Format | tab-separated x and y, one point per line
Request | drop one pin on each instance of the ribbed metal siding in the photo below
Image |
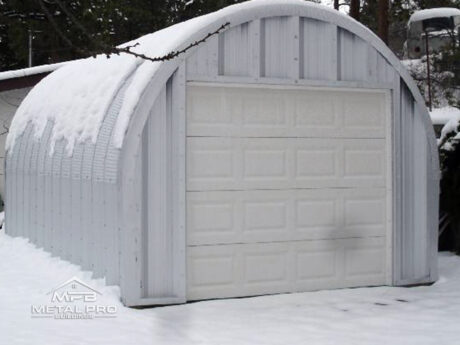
289	48
414	246
234	50
68	204
163	236
318	50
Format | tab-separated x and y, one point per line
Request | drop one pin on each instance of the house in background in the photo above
440	24
14	86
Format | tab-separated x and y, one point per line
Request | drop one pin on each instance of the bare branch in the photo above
6	129
171	55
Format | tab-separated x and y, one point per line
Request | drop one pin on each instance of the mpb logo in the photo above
74	299
74	290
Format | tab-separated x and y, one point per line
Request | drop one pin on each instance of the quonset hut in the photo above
290	152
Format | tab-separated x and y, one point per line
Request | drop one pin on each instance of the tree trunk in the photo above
383	20
336	4
354	9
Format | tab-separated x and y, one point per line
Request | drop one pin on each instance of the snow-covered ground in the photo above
383	315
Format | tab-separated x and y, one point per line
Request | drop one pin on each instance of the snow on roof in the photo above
434	13
25	72
441	116
76	97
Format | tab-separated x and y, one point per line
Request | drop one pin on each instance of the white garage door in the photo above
286	190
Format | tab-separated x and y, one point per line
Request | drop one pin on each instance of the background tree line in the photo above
110	22
116	21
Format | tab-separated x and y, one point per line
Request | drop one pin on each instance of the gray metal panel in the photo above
111	240
157	246
318	50
87	201
11	196
204	60
20	188
47	195
277	46
407	238
234	51
353	52
255	31
161	246
414	242
56	201
178	134
76	205
99	225
35	198
65	213
41	180
27	230
419	151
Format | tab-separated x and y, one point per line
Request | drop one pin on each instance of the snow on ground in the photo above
382	315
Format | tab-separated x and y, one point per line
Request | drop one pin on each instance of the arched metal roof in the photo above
141	76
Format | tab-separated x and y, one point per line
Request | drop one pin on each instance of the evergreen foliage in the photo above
109	22
449	153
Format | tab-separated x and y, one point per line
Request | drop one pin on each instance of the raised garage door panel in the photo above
284	163
264	112
261	268
284	215
287	190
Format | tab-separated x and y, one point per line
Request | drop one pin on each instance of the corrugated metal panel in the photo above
420	244
157	238
353	52
111	226
234	51
289	48
204	61
277	47
40	188
106	225
10	188
65	213
20	187
318	49
34	198
49	207
100	234
56	201
163	231
87	201
27	202
76	205
407	121
413	246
